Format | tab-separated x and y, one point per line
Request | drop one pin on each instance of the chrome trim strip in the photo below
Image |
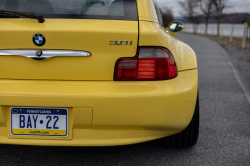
45	53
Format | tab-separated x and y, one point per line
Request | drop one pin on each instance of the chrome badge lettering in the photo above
123	42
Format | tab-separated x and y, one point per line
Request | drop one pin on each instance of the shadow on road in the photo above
139	154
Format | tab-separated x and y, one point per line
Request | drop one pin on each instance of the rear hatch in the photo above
106	37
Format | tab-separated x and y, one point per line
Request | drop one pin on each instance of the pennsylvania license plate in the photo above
50	122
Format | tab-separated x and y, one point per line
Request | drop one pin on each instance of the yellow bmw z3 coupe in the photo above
94	73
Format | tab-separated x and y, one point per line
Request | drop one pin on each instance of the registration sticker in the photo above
51	122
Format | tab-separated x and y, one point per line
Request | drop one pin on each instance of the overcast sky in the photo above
236	6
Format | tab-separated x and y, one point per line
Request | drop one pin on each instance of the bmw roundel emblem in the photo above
39	39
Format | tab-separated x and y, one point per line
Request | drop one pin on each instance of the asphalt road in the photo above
224	125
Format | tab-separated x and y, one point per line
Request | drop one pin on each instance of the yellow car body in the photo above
101	111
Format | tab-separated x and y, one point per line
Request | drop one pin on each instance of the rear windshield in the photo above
85	9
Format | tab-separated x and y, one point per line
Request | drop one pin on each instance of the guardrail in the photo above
231	31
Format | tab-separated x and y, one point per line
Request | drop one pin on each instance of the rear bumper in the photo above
104	113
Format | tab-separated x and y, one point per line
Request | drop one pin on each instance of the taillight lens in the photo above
151	63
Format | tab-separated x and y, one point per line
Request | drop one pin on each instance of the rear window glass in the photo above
85	9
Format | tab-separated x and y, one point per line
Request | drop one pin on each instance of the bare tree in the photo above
167	16
206	8
219	5
191	11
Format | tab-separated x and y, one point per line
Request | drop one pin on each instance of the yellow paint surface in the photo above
66	34
123	112
102	112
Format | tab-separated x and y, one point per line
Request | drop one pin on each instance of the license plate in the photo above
50	122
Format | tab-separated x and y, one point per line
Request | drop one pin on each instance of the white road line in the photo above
238	78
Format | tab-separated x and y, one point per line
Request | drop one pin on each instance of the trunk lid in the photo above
89	35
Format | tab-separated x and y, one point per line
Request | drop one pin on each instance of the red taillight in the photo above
151	63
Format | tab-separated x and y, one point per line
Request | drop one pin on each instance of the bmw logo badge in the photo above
39	39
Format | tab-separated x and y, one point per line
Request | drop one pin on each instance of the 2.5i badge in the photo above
39	39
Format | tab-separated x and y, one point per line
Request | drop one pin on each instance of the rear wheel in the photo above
187	137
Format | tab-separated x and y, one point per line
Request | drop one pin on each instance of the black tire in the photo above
189	136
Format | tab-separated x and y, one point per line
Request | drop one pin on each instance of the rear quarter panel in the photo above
151	33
